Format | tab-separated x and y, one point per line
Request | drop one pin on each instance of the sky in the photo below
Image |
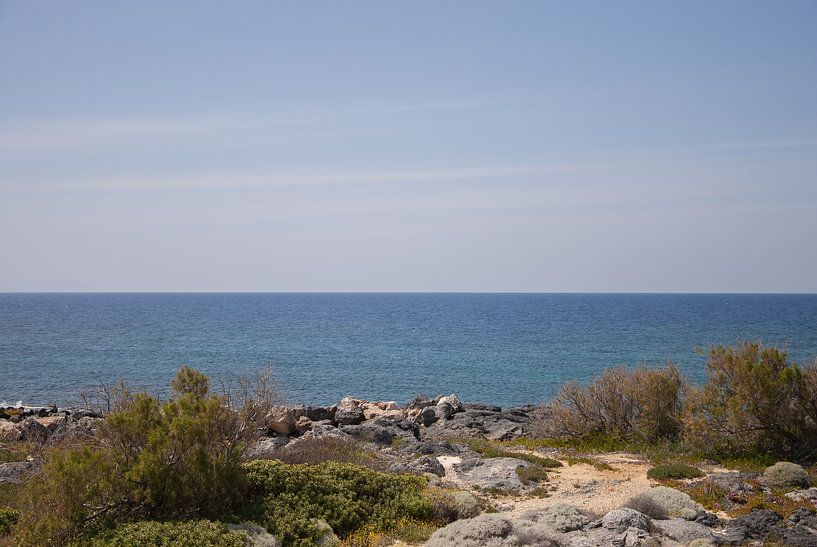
408	146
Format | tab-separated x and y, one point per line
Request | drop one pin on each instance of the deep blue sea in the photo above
507	349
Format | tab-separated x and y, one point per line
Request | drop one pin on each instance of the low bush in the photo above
674	471
786	475
314	450
287	498
168	534
8	518
645	503
674	502
640	404
531	474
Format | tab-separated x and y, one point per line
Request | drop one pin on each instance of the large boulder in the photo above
452	400
560	517
382	430
683	531
281	420
265	448
622	519
350	412
497	474
314	413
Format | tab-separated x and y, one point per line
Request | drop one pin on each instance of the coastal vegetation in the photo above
224	466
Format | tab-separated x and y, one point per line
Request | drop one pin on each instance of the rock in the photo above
683	531
33	431
708	519
738	482
15	472
302	425
480	406
496	474
383	409
436	448
420	402
257	536
502	430
622	519
315	413
428	416
265	448
443	411
786	475
281	420
9	431
349	415
560	517
756	524
419	466
800	495
798	536
381	430
452	400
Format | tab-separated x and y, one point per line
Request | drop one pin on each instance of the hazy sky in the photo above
408	146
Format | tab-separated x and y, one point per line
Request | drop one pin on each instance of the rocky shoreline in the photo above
508	497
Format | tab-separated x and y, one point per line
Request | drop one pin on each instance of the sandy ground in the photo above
582	485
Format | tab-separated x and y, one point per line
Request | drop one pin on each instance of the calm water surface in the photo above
502	348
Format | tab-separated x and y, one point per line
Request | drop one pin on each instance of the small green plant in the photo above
674	471
168	534
8	518
531	474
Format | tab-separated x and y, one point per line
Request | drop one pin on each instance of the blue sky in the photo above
412	146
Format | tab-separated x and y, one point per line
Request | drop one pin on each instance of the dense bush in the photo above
640	404
674	471
755	401
150	460
674	502
287	498
168	534
786	475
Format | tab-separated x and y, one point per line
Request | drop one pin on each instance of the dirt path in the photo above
582	485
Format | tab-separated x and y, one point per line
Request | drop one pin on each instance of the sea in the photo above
509	349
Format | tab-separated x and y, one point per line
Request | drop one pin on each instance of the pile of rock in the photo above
423	418
41	424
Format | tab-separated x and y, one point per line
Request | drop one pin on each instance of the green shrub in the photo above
152	533
288	497
786	475
175	460
8	517
640	404
674	471
755	401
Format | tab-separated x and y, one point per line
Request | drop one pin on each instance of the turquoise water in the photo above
502	348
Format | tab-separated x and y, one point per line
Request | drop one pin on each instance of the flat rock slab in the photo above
495	474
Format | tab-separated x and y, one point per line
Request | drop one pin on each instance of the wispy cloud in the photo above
236	181
40	135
